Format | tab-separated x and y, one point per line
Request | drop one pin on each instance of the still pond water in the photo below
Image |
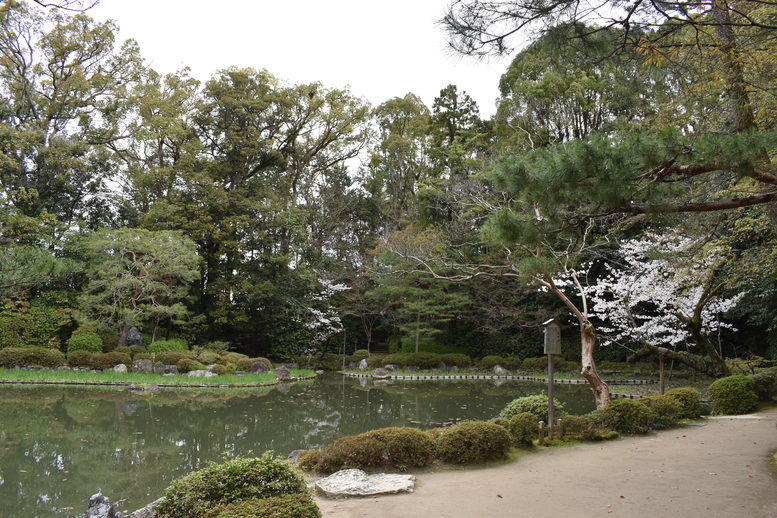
58	445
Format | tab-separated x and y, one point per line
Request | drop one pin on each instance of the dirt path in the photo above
721	469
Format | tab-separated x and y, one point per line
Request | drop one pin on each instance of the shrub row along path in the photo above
721	469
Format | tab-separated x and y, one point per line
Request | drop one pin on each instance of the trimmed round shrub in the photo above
501	421
173	344
523	429
198	493
110	360
536	405
172	357
377	360
296	505
85	342
689	399
489	362
31	356
245	364
143	356
462	361
207	357
123	349
764	385
566	365
221	370
188	365
732	395
401	448
423	360
80	359
472	442
231	358
589	427
360	354
666	411
217	346
627	416
511	363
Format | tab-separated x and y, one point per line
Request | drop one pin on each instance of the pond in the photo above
58	445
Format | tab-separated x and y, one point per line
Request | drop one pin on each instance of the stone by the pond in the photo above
64	368
134	337
202	373
144	366
120	368
500	371
380	373
259	367
166	369
391	366
282	373
100	507
145	512
355	482
363	364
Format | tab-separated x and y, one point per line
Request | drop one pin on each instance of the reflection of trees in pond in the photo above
66	442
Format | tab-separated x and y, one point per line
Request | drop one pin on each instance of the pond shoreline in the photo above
160	385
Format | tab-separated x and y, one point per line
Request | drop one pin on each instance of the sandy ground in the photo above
720	469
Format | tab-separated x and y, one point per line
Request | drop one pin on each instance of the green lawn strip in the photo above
118	378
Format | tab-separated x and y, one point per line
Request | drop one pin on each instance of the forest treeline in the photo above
630	182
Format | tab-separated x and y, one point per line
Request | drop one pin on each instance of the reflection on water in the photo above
60	444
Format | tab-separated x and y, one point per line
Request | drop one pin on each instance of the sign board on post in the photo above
552	346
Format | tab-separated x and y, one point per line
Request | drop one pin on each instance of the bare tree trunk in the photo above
588	344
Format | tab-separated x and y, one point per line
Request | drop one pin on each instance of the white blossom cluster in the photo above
323	320
661	276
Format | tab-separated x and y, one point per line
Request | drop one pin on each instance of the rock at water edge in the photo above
363	364
282	373
201	374
143	366
500	371
380	373
120	368
100	507
355	482
259	367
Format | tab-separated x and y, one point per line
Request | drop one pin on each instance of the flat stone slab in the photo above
355	482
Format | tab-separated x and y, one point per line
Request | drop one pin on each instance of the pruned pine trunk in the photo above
599	388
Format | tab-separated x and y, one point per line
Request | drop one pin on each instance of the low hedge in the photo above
173	344
198	494
31	356
172	357
732	395
84	341
359	354
462	361
536	405
689	399
295	505
207	357
80	359
400	448
188	365
627	416
472	442
666	410
589	427
110	360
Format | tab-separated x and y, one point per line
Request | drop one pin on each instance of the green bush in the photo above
536	405
566	365
188	365
194	495
123	349
666	411
377	360
207	357
589	427
231	358
217	346
627	416
245	364
764	385
219	369
732	395
489	362
85	342
143	356
360	354
472	442
401	448
523	428
296	505
31	356
173	344
172	357
80	359
689	399
511	363
536	364
462	361
110	360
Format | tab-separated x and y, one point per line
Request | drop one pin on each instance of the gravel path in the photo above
721	469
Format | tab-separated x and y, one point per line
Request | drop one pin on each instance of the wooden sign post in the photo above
552	347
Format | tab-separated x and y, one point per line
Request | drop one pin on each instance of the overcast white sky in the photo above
381	49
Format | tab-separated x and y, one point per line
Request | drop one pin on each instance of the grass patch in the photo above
56	376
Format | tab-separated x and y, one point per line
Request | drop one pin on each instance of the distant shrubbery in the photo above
31	356
173	344
85	341
536	405
732	395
